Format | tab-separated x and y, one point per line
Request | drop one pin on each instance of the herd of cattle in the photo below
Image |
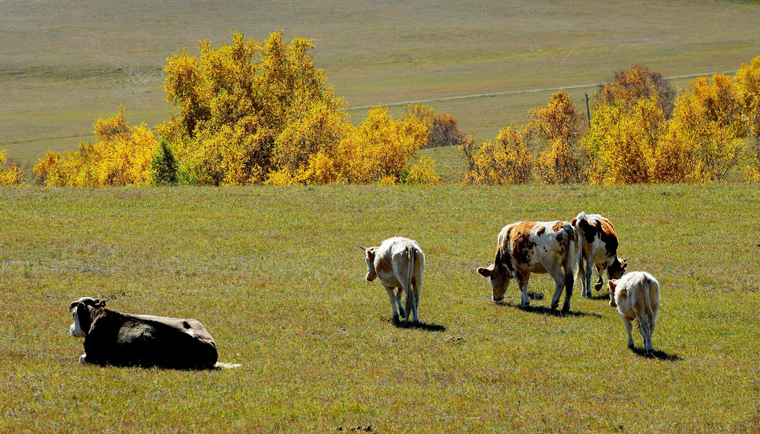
567	251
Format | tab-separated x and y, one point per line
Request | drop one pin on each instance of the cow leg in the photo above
569	282
392	298
523	277
628	330
417	288
586	286
598	286
401	310
555	270
645	331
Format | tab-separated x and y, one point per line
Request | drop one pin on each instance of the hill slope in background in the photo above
64	64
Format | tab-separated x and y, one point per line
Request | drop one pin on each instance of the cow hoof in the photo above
565	310
497	299
395	319
83	358
598	287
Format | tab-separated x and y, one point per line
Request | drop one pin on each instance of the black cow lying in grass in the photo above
124	340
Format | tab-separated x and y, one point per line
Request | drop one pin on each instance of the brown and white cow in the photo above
535	247
600	244
637	296
121	339
399	262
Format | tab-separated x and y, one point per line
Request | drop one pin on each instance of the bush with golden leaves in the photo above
249	109
504	160
10	175
705	134
443	129
748	88
559	126
621	143
122	156
377	151
633	84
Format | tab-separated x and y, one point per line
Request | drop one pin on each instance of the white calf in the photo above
399	262
637	296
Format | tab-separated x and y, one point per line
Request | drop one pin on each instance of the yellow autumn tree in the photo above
621	143
121	156
443	129
10	175
378	151
504	160
748	89
633	84
247	109
559	126
704	138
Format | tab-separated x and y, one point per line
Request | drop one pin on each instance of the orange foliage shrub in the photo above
443	129
748	88
505	160
122	156
559	124
248	109
634	84
263	113
378	150
622	142
706	133
11	175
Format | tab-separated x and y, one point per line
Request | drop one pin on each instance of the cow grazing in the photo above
600	243
535	247
637	296
121	339
399	262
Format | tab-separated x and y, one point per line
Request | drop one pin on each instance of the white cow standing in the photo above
399	262
637	296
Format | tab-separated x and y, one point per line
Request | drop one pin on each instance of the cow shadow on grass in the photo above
600	296
424	326
545	310
657	354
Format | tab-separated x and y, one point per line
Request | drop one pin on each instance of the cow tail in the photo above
574	259
220	365
647	300
410	296
580	270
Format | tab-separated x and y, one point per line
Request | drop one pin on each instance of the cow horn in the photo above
626	259
362	247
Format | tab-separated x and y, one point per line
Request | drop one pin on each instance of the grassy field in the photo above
64	64
275	276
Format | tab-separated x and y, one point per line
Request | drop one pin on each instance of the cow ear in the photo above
71	306
486	272
371	253
612	283
101	304
623	264
572	222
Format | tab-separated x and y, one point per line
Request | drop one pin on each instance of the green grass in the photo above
275	276
63	66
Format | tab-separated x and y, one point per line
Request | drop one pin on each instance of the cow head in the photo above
81	310
617	268
369	256
498	276
612	284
